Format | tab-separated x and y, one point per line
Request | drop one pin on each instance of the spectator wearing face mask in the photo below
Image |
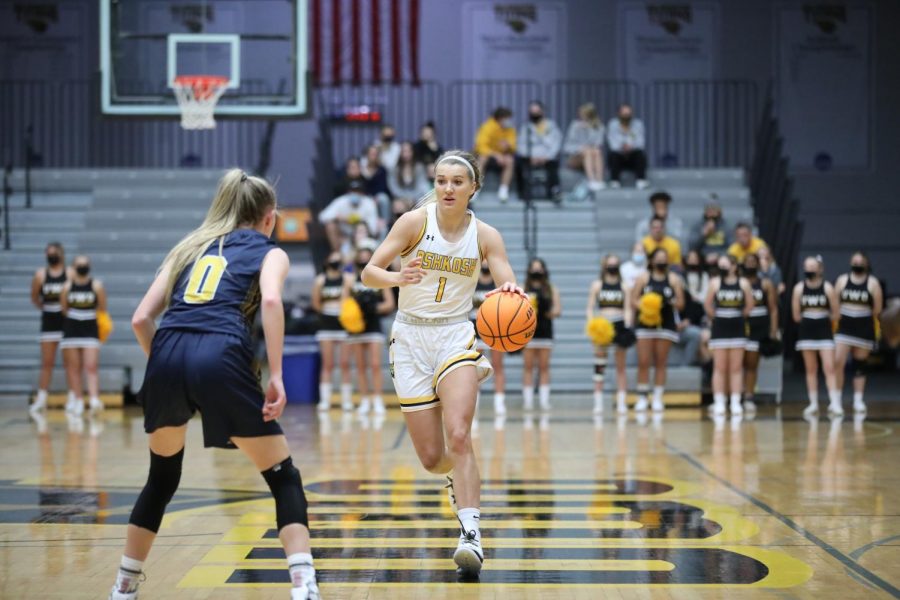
426	150
352	171
540	141
659	206
495	147
345	211
584	146
625	141
633	267
710	235
388	148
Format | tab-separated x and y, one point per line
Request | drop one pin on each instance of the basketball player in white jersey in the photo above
433	359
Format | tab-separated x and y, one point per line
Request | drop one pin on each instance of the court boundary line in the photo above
848	562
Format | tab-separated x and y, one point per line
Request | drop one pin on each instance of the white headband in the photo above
461	160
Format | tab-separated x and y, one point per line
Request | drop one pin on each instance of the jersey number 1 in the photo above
204	281
442	281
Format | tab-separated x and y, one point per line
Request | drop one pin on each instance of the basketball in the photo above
506	321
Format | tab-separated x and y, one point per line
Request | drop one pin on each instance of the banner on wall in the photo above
824	81
514	40
665	41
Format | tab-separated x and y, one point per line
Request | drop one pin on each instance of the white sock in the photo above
620	398
857	397
598	399
470	517
503	191
95	400
346	393
325	393
71	398
735	399
377	400
528	397
642	391
129	574
719	399
814	398
300	565
544	395
499	398
42	397
658	392
834	396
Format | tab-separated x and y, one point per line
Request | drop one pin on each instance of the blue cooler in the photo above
300	366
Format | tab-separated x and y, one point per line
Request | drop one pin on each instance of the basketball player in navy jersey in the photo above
46	291
435	365
861	301
213	282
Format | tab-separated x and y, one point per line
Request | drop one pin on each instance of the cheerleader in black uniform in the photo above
486	284
814	305
82	297
46	290
330	288
607	299
545	300
367	347
729	301
861	301
654	341
762	323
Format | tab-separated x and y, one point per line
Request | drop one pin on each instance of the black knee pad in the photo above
287	488
165	474
599	369
859	368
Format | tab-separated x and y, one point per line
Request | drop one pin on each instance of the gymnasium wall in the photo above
832	201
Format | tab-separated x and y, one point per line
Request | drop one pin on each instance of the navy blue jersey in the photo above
220	292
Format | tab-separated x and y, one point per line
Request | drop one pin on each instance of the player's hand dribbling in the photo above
509	287
275	399
412	273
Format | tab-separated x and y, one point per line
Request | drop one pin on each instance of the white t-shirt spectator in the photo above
349	209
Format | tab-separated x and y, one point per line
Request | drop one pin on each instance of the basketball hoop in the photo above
197	97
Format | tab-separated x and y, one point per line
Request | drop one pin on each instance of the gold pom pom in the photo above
877	329
351	316
601	331
104	325
650	309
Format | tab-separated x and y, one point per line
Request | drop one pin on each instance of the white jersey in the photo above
453	269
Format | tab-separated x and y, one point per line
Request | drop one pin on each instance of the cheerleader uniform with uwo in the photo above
330	328
611	296
856	327
729	326
667	329
815	319
80	325
541	298
52	319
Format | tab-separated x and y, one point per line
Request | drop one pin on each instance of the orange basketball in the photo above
506	321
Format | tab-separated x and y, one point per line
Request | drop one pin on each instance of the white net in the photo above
197	97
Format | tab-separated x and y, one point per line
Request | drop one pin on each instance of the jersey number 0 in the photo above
205	277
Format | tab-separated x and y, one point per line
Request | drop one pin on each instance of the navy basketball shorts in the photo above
210	372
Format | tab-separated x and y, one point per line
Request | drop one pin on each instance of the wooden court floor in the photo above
573	507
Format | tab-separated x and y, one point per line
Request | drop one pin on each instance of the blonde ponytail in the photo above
240	200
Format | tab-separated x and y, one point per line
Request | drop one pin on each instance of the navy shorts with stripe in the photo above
210	372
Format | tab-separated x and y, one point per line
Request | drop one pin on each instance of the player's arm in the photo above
749	301
271	283
315	301
64	296
709	304
773	308
100	292
627	306
36	282
556	309
677	284
402	235
877	296
592	295
143	321
639	284
795	301
494	252
834	301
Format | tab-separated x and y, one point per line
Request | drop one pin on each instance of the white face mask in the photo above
506	123
638	259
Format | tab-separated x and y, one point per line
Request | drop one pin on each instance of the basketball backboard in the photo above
259	45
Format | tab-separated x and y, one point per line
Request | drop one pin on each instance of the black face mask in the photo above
661	267
536	274
53	259
83	269
750	271
625	120
693	268
613	269
387	139
535	118
361	265
857	269
485	271
810	274
334	265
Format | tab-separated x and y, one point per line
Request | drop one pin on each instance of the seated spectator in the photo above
696	279
768	269
625	141
583	150
426	150
744	242
659	205
407	181
711	234
399	207
342	215
388	148
495	147
658	239
633	267
540	141
352	171
376	177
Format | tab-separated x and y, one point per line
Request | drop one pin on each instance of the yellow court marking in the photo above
400	486
267	508
351	525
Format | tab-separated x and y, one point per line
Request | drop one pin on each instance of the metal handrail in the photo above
7	192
